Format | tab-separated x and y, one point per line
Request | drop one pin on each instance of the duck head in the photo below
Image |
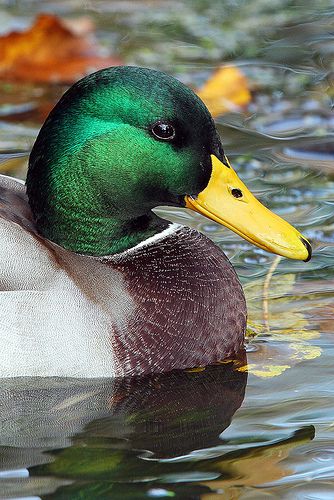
125	140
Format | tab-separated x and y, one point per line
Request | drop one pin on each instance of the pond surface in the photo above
222	432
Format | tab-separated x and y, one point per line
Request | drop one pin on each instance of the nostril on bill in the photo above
308	248
236	192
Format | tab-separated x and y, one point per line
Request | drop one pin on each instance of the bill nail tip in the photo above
308	248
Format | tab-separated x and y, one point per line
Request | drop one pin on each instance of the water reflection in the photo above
114	430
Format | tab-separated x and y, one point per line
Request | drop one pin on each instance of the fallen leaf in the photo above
52	50
264	371
196	370
226	90
283	309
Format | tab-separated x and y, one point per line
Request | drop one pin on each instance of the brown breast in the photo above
190	307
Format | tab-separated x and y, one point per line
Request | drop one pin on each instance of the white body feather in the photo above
48	324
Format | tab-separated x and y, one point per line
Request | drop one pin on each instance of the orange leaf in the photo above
226	90
52	50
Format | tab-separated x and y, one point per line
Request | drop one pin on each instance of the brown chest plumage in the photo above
189	305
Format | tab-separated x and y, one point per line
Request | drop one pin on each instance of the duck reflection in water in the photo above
97	434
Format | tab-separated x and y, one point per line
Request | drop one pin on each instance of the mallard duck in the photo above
93	283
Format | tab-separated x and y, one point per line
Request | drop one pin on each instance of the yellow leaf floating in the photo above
197	369
226	90
278	310
305	351
265	371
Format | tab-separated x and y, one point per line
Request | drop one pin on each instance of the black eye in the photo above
163	131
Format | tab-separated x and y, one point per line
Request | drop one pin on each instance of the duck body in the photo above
92	282
174	301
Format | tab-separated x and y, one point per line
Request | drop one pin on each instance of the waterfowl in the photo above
93	283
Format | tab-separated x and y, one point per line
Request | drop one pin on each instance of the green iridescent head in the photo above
119	143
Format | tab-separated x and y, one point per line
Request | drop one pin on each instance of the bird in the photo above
93	283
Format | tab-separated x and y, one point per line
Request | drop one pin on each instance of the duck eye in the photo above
163	131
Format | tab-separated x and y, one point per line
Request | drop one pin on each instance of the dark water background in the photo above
218	433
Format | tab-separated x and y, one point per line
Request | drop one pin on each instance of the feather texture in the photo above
174	302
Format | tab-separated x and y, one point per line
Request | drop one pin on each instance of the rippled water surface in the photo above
222	432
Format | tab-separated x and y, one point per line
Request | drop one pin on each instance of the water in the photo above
222	432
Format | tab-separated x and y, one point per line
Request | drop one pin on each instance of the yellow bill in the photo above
227	200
